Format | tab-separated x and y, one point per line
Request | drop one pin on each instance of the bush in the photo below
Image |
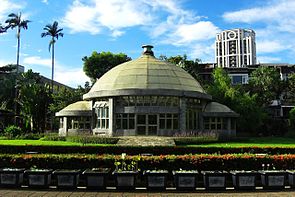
12	131
92	140
53	137
168	162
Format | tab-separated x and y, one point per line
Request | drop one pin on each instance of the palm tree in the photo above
54	32
15	20
2	29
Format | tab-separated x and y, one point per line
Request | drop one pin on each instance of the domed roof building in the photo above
147	96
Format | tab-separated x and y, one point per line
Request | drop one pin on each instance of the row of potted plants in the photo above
155	179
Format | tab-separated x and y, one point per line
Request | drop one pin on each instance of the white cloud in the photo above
6	7
200	31
71	77
280	13
45	1
36	60
267	59
6	62
203	51
270	46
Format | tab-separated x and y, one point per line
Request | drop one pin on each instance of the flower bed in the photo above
168	162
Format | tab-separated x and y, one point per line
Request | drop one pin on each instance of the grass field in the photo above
259	142
249	142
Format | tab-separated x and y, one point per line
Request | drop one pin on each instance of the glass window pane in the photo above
162	123
132	100
131	123
175	123
162	115
98	123
118	123
169	124
125	125
152	119
103	123
107	123
141	119
107	111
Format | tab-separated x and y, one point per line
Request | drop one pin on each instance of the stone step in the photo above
146	141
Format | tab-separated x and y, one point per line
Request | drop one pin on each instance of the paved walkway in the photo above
146	141
26	192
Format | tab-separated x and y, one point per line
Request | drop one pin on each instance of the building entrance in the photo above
147	124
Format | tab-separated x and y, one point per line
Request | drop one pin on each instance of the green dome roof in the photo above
217	109
146	74
76	109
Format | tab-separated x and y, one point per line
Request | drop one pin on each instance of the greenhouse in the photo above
148	96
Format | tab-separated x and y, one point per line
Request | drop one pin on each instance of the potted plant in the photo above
96	177
214	180
272	178
11	177
67	179
185	179
40	178
244	180
156	179
125	173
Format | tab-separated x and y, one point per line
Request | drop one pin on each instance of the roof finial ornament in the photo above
147	50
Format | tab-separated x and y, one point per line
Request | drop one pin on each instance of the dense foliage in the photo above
99	63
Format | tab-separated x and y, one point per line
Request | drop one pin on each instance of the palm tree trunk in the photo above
17	67
52	68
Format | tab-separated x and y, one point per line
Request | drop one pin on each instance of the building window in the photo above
125	121
147	101
169	121
102	115
81	122
192	119
215	123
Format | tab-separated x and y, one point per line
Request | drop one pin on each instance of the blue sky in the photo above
174	27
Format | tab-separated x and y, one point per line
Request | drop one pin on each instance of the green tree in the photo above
66	96
34	98
7	86
238	100
266	83
190	66
98	64
15	21
54	32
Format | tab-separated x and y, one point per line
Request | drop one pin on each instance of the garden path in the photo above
146	141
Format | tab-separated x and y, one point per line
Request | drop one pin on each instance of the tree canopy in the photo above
98	64
191	66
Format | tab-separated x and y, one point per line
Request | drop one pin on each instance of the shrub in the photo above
168	162
92	139
12	131
53	137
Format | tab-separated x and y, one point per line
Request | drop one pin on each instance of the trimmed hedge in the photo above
133	150
168	162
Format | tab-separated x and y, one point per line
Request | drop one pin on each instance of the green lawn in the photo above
40	142
259	142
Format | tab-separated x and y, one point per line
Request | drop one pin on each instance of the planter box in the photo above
67	179
40	178
156	179
11	177
125	180
272	179
291	178
214	180
185	180
96	178
244	180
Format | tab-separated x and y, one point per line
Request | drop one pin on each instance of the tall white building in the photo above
235	48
